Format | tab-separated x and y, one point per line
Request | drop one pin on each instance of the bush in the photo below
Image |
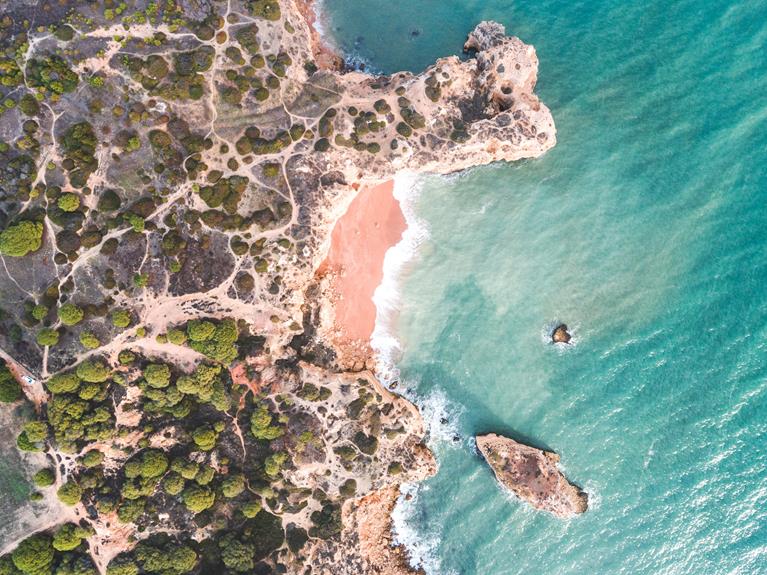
22	238
70	493
47	337
10	390
44	478
70	314
68	202
34	555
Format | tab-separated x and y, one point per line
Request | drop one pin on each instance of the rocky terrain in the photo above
532	475
170	172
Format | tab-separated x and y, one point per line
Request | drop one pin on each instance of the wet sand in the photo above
372	224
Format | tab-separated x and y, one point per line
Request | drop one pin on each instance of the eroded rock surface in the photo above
532	475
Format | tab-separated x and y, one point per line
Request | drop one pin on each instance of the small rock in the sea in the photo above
561	335
456	439
443	420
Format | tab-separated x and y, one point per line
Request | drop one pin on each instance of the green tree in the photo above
233	485
37	431
10	390
121	318
39	312
157	375
69	537
93	371
274	463
68	202
122	566
63	383
70	493
44	478
34	555
235	554
177	337
261	424
21	238
47	337
89	340
200	330
171	559
70	314
204	438
93	458
251	509
198	499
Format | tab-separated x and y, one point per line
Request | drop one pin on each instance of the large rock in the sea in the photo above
532	475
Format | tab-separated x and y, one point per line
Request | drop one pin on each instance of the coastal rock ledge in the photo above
532	475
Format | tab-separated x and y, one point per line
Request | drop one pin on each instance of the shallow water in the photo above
644	230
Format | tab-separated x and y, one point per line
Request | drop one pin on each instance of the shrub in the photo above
22	238
68	202
70	493
171	559
70	314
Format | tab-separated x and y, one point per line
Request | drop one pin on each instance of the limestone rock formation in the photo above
532	475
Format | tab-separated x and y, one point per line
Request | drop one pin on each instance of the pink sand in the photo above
372	224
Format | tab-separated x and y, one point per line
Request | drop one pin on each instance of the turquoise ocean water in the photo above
645	230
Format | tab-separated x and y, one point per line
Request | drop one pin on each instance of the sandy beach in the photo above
372	224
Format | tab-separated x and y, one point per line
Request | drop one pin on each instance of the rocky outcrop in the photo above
561	335
532	475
